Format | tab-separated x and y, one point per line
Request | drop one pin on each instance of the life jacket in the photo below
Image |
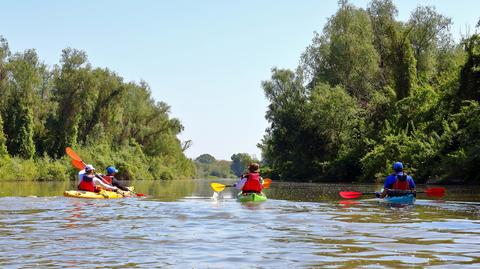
87	184
108	179
401	183
253	183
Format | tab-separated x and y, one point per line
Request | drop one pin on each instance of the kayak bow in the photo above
251	197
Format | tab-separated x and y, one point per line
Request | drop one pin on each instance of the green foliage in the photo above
404	70
428	34
108	121
372	90
240	162
208	167
470	72
3	140
345	53
205	158
462	150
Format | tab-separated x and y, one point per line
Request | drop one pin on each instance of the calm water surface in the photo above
181	224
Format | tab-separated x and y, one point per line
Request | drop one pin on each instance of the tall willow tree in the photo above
429	35
73	84
23	82
404	66
382	14
344	53
470	72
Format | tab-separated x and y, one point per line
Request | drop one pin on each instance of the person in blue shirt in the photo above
398	183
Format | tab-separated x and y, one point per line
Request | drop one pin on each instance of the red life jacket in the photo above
401	184
87	184
253	183
108	179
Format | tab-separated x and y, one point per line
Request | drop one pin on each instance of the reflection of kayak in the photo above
404	199
251	197
97	195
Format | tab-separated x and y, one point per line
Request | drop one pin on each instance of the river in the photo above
181	224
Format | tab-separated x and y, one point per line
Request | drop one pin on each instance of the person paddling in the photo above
398	183
109	178
90	182
252	181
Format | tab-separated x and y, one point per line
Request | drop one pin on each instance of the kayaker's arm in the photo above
99	182
239	185
116	183
384	193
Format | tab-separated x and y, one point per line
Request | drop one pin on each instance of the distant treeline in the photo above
108	121
371	90
209	167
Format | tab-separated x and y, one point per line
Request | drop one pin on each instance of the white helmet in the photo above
89	167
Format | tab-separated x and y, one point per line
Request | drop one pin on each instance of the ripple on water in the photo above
200	232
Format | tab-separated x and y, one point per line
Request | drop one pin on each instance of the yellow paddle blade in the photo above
217	187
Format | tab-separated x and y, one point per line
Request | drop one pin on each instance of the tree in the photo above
73	94
288	134
3	140
24	80
344	54
240	162
205	158
382	14
470	72
405	68
429	33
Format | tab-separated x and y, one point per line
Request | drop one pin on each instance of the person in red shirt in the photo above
252	181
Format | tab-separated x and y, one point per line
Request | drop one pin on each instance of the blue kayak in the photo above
408	199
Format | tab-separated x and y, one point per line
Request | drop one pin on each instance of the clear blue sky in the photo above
206	59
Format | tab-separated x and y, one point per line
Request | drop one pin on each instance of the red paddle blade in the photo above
436	192
350	194
72	154
77	164
140	194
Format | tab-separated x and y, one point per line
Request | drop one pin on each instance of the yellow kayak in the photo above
98	195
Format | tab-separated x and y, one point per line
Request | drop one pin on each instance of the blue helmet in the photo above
111	170
398	167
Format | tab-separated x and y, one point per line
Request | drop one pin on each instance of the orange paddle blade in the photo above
266	183
77	164
72	154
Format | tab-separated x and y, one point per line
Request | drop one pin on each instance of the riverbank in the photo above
131	162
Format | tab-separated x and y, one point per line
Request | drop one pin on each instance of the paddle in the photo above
435	192
217	187
80	165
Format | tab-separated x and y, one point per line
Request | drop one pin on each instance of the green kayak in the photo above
251	197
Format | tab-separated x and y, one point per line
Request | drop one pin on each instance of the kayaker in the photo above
90	182
252	181
109	178
398	183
